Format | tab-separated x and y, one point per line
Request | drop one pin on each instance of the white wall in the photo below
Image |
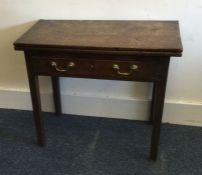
184	81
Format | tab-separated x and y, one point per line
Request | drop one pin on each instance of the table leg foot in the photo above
155	143
157	112
36	103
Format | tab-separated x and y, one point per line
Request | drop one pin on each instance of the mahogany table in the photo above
114	50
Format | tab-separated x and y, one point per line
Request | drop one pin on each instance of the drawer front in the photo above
61	66
102	69
131	70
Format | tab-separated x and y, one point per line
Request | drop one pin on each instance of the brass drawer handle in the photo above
117	68
70	65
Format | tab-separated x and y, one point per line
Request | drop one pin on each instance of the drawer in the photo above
130	70
61	66
92	68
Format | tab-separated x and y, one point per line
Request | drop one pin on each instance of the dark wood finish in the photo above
158	103
36	102
148	70
104	35
152	104
89	49
56	95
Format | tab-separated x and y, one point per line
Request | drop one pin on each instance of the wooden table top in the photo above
134	36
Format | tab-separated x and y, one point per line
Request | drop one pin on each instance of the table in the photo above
113	50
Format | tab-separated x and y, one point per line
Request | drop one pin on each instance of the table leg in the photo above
36	103
152	104
158	104
56	95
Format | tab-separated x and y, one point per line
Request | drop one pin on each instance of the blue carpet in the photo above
78	145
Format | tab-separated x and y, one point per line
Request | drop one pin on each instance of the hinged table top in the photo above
160	37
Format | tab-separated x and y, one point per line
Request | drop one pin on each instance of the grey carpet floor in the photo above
78	145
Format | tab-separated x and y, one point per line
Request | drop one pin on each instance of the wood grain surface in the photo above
144	36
